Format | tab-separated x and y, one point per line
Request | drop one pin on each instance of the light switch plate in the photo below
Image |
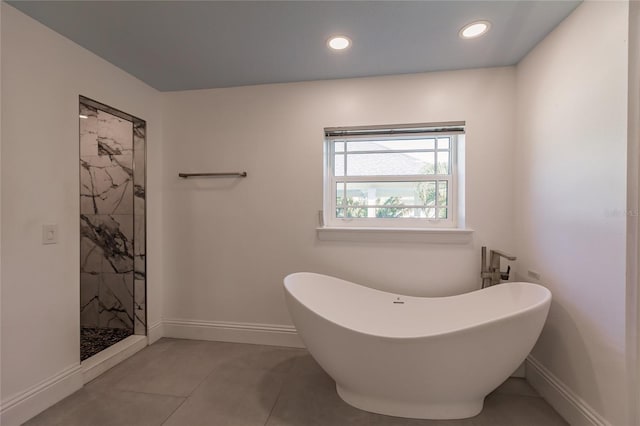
49	234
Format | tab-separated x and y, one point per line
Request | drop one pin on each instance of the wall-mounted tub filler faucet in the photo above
491	273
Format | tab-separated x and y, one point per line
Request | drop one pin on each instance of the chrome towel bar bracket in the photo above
232	174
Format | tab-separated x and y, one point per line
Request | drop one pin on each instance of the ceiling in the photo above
180	45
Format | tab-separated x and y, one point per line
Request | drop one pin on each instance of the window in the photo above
392	176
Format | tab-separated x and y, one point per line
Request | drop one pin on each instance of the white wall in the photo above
222	247
229	243
42	76
571	198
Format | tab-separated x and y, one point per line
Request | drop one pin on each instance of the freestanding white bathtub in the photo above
417	357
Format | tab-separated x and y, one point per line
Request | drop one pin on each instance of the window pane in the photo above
391	194
443	163
389	164
427	193
351	212
356	212
353	202
443	143
394	212
367	146
386	145
339	146
338	165
443	193
392	200
339	193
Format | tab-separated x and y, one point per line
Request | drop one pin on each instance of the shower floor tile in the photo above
94	340
178	382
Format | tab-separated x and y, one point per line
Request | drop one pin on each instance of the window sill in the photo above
396	235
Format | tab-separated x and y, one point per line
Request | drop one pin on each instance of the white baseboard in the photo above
20	408
155	332
574	409
262	334
112	356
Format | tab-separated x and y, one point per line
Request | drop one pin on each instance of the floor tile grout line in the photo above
209	374
284	382
206	376
140	392
274	403
204	379
174	411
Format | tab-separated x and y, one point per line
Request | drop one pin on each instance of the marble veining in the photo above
139	225
139	246
106	243
139	306
138	201
88	131
139	267
115	135
89	300
107	300
106	184
116	301
112	220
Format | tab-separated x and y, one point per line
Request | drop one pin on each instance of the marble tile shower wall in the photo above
112	221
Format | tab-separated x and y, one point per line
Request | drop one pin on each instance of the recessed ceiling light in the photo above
475	29
83	116
339	42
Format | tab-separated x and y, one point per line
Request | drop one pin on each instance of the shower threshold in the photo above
112	356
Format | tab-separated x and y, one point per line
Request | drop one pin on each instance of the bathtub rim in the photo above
538	305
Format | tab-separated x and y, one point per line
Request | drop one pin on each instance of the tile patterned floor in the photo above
189	383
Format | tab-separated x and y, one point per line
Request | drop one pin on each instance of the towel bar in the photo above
233	174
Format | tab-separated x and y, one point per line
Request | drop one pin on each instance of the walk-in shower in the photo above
112	226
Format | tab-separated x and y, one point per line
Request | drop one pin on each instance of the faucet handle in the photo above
505	275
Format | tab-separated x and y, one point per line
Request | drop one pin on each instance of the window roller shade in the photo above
333	133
